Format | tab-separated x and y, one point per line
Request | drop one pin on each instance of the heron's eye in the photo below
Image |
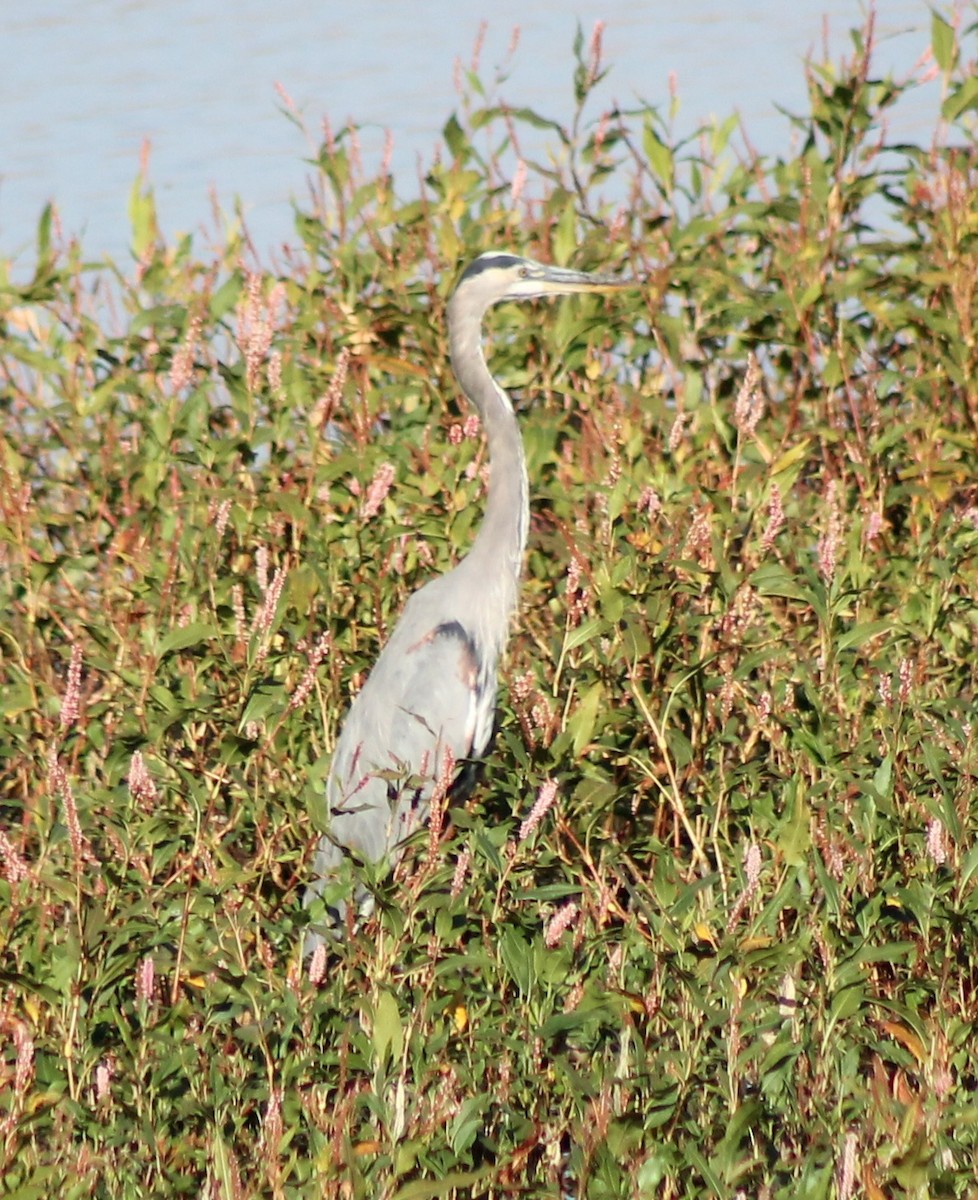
524	272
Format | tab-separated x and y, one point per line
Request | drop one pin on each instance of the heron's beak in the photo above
559	281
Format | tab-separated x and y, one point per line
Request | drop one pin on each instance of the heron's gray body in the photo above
430	699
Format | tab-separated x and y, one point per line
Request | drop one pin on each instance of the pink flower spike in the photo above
830	544
937	842
594	52
461	870
749	406
12	866
559	923
271	1125
317	964
752	865
24	1068
846	1167
308	680
81	851
544	802
677	431
380	485
221	518
775	520
265	615
141	785
145	980
649	502
906	679
71	704
872	528
182	365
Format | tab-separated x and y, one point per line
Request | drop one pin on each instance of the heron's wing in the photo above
427	704
422	710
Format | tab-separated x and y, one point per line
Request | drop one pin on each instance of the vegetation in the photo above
737	954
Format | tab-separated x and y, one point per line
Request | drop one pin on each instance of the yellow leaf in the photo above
790	463
873	1190
634	1002
905	1037
460	1014
760	942
704	933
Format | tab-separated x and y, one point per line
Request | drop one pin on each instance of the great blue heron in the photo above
429	701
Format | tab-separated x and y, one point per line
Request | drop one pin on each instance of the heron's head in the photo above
496	276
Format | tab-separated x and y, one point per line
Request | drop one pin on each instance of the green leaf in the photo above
187	636
565	234
584	718
388	1032
963	98
455	138
517	959
457	1182
660	158
771	579
266	698
794	837
586	632
864	632
142	218
943	43
16	699
883	779
467	1123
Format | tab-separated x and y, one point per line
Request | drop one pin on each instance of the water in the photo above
85	83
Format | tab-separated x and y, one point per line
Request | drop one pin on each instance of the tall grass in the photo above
736	955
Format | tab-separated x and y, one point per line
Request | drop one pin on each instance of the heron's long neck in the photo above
502	537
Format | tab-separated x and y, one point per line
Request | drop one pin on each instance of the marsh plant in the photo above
708	925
